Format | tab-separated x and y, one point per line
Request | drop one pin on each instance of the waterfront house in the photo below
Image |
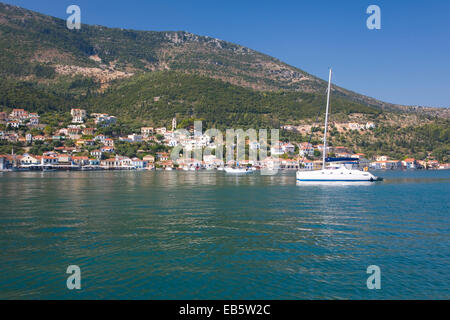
29	160
432	164
149	158
307	164
49	160
138	163
444	166
80	160
117	162
94	162
166	164
110	163
289	164
211	161
409	163
270	163
386	164
189	163
64	160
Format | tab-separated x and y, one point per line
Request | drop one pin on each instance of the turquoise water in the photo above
206	235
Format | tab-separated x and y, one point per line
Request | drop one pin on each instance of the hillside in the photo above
147	77
35	46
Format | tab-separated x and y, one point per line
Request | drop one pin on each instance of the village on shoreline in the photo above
81	145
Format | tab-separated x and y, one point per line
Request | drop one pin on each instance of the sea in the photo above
210	235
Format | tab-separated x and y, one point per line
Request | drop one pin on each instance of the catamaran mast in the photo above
326	123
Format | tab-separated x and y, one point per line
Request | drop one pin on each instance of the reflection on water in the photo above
182	235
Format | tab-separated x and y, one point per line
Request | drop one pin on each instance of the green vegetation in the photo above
255	90
218	103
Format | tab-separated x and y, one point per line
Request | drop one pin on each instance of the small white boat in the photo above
169	169
238	170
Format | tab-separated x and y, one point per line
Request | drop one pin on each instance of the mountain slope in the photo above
35	45
163	94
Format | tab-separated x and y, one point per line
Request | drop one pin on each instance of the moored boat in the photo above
238	170
340	169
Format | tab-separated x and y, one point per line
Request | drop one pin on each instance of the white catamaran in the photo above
340	169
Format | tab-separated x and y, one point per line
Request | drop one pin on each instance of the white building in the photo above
147	131
104	120
78	115
288	148
306	149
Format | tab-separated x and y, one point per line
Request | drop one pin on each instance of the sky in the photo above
407	61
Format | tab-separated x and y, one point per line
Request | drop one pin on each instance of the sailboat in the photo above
340	169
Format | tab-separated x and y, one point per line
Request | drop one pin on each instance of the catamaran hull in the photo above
335	176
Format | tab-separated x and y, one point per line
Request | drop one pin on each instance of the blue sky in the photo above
406	62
